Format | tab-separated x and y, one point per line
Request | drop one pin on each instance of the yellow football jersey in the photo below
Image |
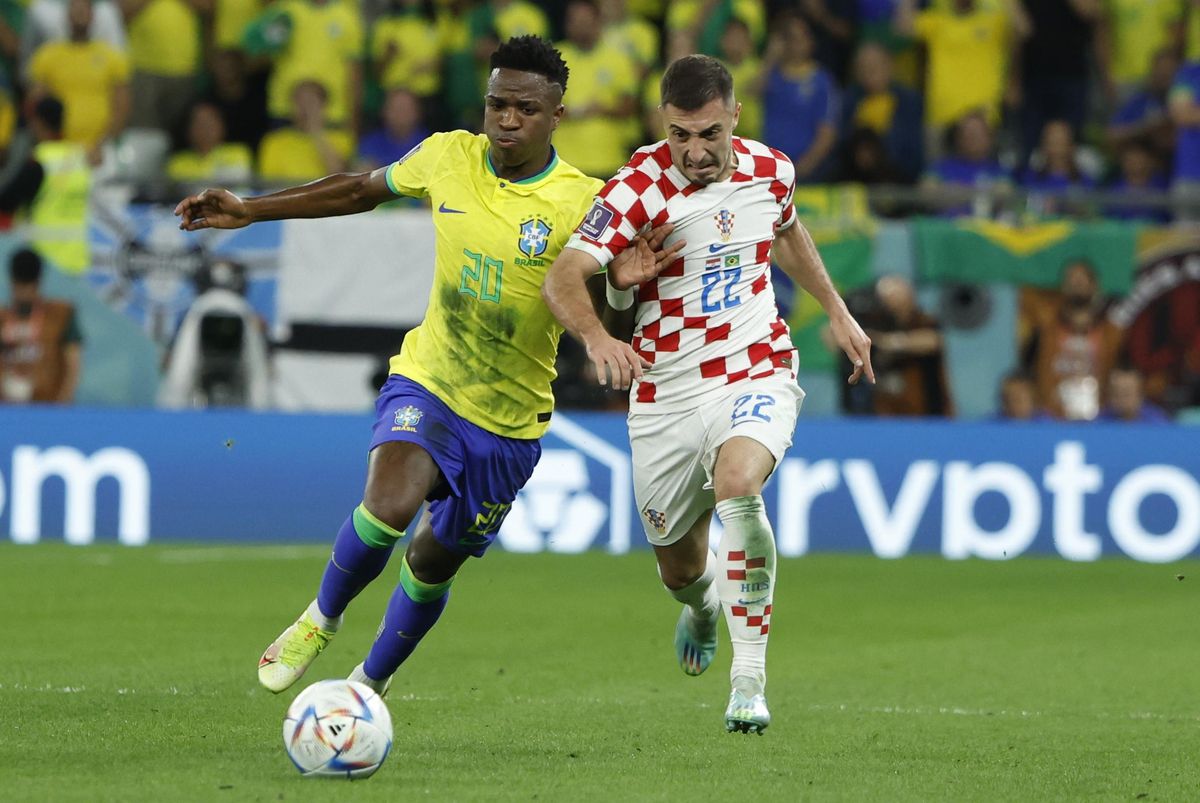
488	342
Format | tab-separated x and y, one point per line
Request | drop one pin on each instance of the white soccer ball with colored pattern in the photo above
337	729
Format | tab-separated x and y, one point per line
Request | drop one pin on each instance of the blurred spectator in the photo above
1018	399
53	181
209	157
24	173
402	130
802	105
1071	345
165	48
1145	113
89	76
40	342
963	41
1131	32
703	21
12	22
317	41
516	18
1053	170
893	112
634	35
406	52
48	21
832	25
1184	106
1140	176
240	94
737	52
972	164
1127	400
308	148
593	135
907	352
230	19
1053	67
865	160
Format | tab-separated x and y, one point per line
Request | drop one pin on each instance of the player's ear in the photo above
558	113
737	113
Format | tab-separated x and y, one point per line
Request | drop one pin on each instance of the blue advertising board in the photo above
986	490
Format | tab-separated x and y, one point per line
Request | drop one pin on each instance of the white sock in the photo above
701	594
746	584
323	621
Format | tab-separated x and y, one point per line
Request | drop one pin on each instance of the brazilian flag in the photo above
986	251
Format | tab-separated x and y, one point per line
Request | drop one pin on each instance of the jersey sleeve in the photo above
413	173
615	217
784	188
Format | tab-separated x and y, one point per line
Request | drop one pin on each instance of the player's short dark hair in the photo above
25	267
532	54
693	81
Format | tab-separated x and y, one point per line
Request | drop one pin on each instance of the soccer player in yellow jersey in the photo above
469	394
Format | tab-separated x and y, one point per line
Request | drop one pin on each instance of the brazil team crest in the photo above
724	220
534	238
407	419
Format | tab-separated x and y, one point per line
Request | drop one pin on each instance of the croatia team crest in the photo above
724	220
657	520
535	236
407	419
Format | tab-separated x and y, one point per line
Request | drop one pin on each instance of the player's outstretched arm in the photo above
339	194
796	254
565	293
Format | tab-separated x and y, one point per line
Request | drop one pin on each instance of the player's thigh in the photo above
467	520
668	478
415	451
748	433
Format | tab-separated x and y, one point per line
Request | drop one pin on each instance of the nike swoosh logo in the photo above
758	601
714	248
447	210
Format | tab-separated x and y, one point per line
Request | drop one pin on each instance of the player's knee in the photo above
734	483
395	513
677	576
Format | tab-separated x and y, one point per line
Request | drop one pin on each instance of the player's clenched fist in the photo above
212	209
615	360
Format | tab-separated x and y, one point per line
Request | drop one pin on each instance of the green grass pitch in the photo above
129	674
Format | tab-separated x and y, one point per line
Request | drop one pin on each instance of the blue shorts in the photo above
483	471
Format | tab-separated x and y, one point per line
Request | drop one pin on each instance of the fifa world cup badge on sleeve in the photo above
407	419
596	220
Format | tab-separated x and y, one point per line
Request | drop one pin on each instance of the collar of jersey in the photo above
536	177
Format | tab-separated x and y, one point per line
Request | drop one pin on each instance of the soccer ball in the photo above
337	729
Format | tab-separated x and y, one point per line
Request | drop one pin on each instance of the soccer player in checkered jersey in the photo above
714	396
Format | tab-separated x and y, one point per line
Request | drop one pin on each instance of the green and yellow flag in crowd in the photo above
985	251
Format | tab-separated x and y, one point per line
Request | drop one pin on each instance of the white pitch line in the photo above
224	555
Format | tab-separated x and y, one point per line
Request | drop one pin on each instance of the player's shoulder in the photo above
649	160
764	161
570	177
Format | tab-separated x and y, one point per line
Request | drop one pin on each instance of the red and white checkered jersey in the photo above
709	319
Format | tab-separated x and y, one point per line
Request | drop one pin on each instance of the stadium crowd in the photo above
940	102
1045	95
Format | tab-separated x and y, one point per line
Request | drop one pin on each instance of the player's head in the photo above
524	99
25	275
700	113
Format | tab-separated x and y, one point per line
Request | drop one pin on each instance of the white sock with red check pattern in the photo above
746	584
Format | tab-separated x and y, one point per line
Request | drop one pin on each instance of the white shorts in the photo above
674	453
